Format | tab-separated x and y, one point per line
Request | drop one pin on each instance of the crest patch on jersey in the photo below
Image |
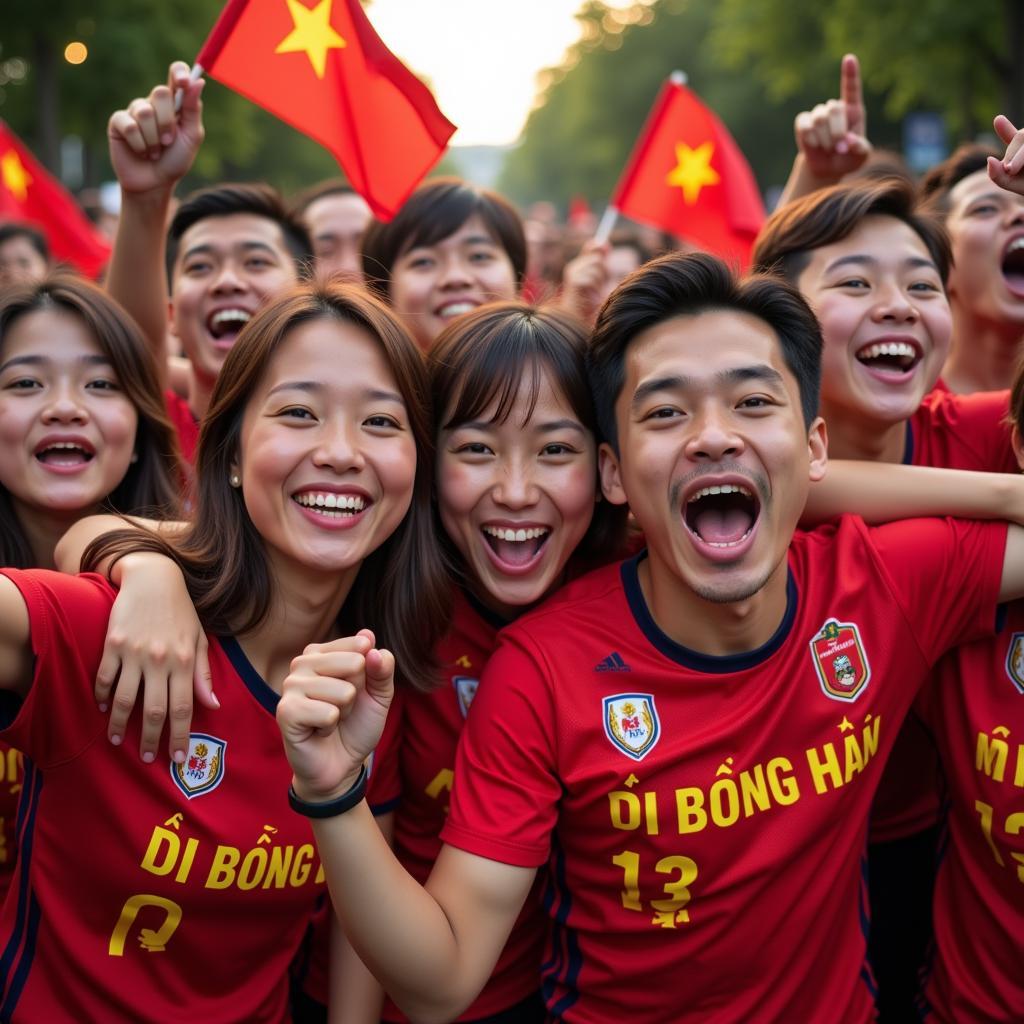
203	770
465	690
840	661
631	723
1015	661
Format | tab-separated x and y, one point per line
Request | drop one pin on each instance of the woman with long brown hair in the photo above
311	523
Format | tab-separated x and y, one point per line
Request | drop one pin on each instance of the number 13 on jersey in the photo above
670	910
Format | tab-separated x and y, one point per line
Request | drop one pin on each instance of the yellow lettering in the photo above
725	803
440	783
161	841
150	940
990	756
1018	776
985	810
870	738
630	864
690	810
319	874
754	789
301	866
651	813
277	872
677	891
784	787
625	810
854	758
185	867
823	770
253	867
222	870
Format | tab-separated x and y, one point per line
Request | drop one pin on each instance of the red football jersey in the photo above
144	892
976	713
185	423
12	773
948	431
704	818
423	748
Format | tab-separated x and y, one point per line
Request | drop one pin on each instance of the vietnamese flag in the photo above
28	192
687	176
319	66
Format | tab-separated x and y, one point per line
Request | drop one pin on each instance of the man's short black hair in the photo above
223	200
32	235
684	285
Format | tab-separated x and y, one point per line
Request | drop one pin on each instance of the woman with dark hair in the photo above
451	247
515	487
82	421
312	521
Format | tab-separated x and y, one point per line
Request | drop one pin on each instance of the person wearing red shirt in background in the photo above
689	741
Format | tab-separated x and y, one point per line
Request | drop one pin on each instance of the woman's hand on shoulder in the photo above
154	640
333	706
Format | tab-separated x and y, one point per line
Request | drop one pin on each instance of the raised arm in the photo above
434	947
152	148
1008	173
831	139
881	492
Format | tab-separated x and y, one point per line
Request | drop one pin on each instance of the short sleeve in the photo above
946	575
505	796
68	620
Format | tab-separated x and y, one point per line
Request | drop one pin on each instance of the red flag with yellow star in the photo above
687	176
29	193
319	66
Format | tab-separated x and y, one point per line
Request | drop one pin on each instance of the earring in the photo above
235	480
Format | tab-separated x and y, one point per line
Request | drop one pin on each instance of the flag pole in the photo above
194	75
611	211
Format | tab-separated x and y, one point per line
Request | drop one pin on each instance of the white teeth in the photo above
891	348
224	316
705	492
727	544
64	444
517	536
457	308
1017	243
347	503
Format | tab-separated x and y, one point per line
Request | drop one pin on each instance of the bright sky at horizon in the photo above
481	57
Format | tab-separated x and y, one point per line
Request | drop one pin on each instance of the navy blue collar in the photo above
254	682
716	664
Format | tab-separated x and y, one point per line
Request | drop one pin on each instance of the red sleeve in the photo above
946	574
504	802
68	620
978	424
384	789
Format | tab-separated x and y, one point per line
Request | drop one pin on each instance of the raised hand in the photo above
832	138
1007	173
333	706
152	145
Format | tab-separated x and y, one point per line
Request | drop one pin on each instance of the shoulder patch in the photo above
465	691
203	769
1015	661
631	723
840	660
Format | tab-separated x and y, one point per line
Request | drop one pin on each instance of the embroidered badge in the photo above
465	690
840	661
203	769
1015	661
631	723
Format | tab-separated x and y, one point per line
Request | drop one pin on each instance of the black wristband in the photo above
331	808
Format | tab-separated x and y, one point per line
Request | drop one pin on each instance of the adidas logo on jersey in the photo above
613	663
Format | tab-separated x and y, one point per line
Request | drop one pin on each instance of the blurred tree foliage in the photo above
757	65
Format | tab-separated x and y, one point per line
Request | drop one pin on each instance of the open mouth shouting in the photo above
65	455
332	509
515	548
721	518
1013	266
224	325
892	360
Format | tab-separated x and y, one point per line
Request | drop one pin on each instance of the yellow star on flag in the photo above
312	35
15	177
693	170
